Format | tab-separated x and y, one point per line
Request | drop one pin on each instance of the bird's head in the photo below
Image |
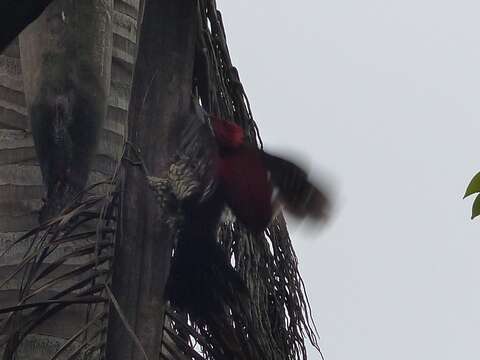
227	133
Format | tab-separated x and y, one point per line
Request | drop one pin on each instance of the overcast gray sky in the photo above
384	99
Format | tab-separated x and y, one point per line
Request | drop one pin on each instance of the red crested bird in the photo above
256	184
253	184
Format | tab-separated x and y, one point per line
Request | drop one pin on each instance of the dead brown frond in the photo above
67	263
276	318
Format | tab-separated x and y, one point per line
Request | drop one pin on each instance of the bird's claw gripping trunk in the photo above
66	62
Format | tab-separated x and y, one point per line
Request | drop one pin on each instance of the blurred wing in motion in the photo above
297	193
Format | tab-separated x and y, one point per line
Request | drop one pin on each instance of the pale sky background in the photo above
383	97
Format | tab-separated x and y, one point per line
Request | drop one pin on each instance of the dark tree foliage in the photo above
15	15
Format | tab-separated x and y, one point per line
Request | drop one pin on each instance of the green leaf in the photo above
476	207
474	186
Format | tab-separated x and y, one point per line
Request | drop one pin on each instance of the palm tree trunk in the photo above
161	96
21	188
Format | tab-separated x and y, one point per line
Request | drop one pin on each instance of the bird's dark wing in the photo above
297	193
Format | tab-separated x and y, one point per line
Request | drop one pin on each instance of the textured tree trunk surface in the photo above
21	188
66	64
161	96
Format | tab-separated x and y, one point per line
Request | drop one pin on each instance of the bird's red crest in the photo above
227	133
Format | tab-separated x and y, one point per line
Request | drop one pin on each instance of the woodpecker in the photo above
254	184
202	280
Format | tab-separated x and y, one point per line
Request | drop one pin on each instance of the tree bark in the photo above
161	96
66	61
21	188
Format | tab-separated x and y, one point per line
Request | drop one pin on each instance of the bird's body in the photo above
257	183
202	277
252	183
246	186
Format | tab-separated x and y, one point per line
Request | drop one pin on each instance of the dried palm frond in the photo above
82	236
275	321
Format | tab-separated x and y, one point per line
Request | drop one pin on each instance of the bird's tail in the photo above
202	281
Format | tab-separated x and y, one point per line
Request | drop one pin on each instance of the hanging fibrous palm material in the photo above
270	318
67	265
241	176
